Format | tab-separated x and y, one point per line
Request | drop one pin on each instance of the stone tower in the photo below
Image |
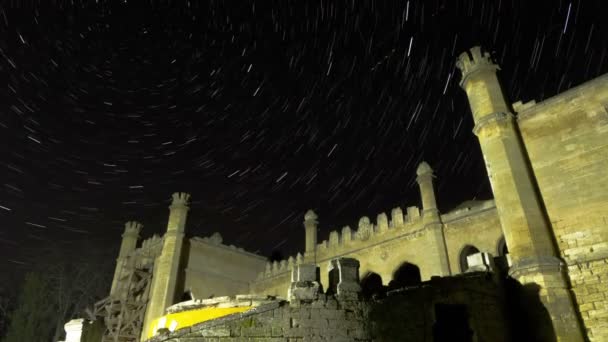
524	224
128	244
310	228
166	267
432	221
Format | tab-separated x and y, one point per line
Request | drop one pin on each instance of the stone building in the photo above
542	241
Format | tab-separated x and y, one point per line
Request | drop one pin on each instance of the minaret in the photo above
524	224
166	267
128	244
432	221
310	227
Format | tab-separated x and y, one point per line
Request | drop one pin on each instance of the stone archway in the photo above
407	274
371	284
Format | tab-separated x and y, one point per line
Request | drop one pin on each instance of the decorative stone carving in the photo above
365	229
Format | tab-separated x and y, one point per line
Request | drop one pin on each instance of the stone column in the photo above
167	266
526	230
310	227
304	285
432	222
128	244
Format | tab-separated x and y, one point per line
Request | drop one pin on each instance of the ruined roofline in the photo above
529	109
207	241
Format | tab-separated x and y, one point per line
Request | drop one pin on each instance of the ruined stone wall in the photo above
415	313
324	319
566	138
215	269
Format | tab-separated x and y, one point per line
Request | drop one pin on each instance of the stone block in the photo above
480	262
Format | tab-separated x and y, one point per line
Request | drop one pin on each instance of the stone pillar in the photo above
526	230
348	287
166	267
427	192
432	222
305	284
310	226
128	244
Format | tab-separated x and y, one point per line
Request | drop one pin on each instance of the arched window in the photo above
406	275
466	251
371	284
502	248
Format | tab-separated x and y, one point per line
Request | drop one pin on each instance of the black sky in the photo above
261	110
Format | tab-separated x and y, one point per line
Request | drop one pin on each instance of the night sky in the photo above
260	110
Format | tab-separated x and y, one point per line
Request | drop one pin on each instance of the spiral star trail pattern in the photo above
259	109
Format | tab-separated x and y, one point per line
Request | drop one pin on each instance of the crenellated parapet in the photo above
132	228
474	60
367	230
180	199
279	267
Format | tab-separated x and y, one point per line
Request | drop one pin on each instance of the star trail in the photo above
259	109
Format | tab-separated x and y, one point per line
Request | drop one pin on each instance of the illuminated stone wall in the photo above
385	245
566	138
214	269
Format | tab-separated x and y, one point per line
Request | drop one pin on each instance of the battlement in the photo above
366	229
132	228
473	60
347	237
280	267
180	199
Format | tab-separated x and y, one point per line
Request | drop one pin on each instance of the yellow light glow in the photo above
184	319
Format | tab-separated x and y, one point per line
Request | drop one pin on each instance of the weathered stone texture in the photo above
567	142
322	320
412	314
